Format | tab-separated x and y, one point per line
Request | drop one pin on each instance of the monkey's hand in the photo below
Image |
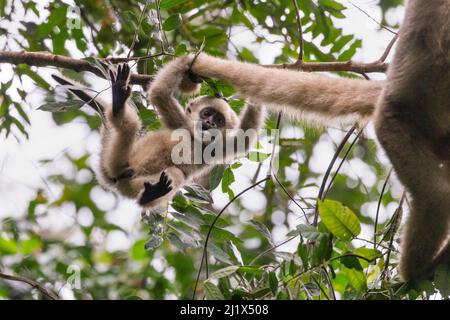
121	91
154	191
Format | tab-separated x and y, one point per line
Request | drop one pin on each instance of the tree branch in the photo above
349	66
48	293
46	59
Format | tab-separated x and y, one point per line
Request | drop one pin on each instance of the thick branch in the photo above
349	66
48	293
46	59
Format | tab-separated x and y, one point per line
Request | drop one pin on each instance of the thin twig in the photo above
396	224
378	209
371	18
47	292
300	31
321	194
388	49
138	28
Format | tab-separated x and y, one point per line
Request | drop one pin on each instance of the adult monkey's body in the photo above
411	111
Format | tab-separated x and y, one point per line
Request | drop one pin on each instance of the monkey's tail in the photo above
82	94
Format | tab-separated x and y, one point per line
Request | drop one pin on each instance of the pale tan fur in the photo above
412	117
149	155
299	92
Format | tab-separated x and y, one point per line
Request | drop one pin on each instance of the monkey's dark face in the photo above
211	119
210	114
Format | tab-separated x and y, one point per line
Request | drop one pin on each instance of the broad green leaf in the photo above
261	227
227	180
302	252
172	22
219	234
197	193
252	270
306	231
340	220
273	282
369	253
8	246
30	245
212	291
258	156
167	4
216	176
356	278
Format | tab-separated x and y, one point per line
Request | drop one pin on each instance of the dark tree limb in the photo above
46	59
47	292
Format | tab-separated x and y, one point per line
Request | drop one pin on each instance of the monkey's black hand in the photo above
121	91
156	190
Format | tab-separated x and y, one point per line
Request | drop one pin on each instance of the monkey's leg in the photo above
419	170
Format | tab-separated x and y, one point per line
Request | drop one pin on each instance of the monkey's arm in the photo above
252	121
169	81
300	91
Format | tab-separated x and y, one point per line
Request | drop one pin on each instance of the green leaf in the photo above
257	156
212	291
273	282
227	180
224	272
356	278
351	262
216	176
252	270
198	193
61	106
138	251
261	227
306	231
302	251
368	253
172	22
8	246
30	245
322	249
167	4
219	234
340	220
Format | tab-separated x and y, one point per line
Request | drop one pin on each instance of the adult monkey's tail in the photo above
300	92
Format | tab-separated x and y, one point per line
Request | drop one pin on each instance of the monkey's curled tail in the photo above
300	92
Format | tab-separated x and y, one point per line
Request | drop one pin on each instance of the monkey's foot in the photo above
121	91
154	191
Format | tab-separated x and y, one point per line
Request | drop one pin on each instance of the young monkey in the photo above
142	167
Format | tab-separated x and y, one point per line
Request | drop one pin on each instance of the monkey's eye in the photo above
189	110
207	112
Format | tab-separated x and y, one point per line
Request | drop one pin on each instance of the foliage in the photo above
333	257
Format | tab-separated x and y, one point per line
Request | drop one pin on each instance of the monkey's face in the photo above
211	118
209	113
